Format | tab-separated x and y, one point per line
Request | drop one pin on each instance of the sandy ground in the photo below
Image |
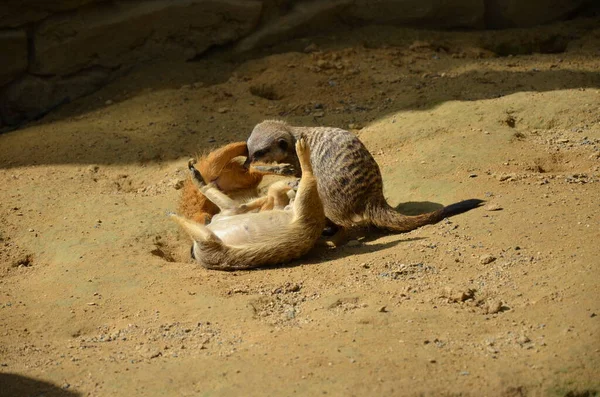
98	296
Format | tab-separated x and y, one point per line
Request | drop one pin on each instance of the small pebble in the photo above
109	102
523	339
178	185
493	207
383	309
487	258
493	306
311	48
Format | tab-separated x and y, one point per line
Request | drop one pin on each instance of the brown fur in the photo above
349	179
220	168
243	241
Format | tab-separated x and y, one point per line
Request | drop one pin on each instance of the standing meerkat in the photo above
348	178
235	240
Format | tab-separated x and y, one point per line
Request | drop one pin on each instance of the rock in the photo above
486	259
303	17
506	177
458	294
15	13
178	184
492	306
31	96
493	207
518	13
353	243
424	13
13	42
312	47
523	339
223	110
66	43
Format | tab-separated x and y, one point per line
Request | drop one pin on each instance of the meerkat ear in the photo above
283	144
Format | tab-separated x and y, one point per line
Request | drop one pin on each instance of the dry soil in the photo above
98	295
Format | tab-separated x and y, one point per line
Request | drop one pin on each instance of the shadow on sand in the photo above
13	385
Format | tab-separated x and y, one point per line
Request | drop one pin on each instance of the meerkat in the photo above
236	240
232	178
348	178
220	168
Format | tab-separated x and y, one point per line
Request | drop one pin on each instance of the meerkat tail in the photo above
460	207
213	164
385	217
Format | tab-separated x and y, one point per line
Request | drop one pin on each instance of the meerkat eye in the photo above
283	144
259	153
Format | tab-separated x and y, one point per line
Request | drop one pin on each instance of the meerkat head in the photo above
271	142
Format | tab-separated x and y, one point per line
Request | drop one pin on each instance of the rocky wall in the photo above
52	52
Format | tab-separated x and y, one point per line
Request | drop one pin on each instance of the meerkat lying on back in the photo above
236	240
348	178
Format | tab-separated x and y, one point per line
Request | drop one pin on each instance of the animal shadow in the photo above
12	385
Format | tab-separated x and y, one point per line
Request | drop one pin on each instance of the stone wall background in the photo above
53	52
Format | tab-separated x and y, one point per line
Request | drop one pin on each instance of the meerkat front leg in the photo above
211	192
338	239
307	203
275	169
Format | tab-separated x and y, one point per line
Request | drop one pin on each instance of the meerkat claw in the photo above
294	183
278	169
196	175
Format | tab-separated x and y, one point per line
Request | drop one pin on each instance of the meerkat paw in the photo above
303	152
287	169
196	175
301	147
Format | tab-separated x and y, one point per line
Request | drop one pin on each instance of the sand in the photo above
98	295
